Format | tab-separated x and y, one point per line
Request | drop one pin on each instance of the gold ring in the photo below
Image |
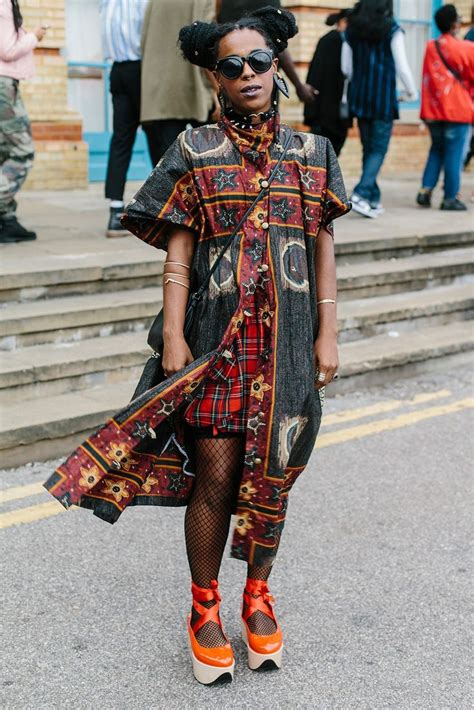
321	376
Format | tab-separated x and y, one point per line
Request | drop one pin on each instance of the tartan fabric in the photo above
255	370
223	399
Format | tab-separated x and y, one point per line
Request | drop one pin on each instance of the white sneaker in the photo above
362	206
378	208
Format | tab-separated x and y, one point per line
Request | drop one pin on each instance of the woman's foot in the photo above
453	204
211	652
260	629
424	197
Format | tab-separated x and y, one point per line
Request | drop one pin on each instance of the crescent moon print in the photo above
290	429
205	144
294	268
222	280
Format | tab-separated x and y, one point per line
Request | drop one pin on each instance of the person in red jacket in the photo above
447	107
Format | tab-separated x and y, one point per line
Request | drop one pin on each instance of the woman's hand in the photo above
326	358
40	32
176	355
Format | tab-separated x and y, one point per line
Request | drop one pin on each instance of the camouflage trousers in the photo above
16	144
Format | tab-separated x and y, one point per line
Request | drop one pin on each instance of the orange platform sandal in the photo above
210	664
264	652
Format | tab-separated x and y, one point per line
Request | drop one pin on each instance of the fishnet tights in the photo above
218	463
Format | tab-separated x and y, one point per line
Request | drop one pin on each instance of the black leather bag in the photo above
153	372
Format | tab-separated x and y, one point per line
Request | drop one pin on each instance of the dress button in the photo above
264	184
264	267
261	415
258	461
265	225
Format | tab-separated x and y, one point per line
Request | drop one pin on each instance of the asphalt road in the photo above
373	580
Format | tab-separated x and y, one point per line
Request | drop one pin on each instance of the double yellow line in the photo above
40	511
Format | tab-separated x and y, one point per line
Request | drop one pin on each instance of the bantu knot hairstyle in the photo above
199	42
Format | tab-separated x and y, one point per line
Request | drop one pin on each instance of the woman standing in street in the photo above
323	115
235	422
447	107
372	57
16	143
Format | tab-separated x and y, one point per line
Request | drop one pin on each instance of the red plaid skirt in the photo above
222	402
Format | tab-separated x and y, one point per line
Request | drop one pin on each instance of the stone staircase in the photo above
73	331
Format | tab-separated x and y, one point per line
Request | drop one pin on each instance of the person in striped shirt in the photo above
121	25
372	57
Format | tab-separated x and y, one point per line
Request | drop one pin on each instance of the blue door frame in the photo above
99	141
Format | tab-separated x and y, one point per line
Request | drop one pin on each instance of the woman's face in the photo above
250	92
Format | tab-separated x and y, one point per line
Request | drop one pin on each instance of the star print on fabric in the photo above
226	217
258	388
280	175
282	208
263	280
224	179
266	314
176	215
166	408
271	530
249	458
176	482
254	423
256	250
308	180
141	430
250	287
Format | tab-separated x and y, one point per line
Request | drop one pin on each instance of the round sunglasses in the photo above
260	60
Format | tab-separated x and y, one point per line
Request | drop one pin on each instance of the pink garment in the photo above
16	50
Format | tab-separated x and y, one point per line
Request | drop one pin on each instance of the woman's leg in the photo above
260	623
435	157
455	139
218	462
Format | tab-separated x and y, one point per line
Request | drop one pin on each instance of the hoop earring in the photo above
281	84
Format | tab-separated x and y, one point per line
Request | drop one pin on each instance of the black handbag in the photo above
153	372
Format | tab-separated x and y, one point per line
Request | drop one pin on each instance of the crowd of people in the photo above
352	78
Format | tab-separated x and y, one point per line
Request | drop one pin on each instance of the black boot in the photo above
11	231
114	228
453	204
424	198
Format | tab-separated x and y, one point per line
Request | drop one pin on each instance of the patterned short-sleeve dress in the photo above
252	338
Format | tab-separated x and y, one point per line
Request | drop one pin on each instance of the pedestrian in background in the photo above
372	58
447	107
175	93
324	115
121	24
233	10
16	143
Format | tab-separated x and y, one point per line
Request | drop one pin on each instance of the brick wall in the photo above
61	154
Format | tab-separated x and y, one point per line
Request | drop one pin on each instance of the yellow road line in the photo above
381	425
381	407
30	514
46	510
17	492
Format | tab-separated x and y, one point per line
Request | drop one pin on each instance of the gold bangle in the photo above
177	263
173	281
175	273
326	300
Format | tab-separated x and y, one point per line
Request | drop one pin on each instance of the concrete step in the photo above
42	429
72	318
55	368
352	249
58	275
404	312
412	273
